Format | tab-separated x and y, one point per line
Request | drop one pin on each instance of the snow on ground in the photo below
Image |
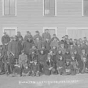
53	81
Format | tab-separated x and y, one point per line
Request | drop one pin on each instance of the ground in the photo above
53	81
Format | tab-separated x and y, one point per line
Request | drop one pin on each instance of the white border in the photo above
3	8
51	29
55	8
75	28
82	7
4	28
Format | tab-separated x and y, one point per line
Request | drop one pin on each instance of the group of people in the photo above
43	55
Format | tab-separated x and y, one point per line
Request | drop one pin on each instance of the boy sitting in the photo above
23	62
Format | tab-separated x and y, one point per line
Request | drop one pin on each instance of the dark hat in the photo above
37	31
28	31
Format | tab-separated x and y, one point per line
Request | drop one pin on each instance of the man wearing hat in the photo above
19	36
5	39
38	43
54	43
62	48
42	58
60	61
28	35
27	45
37	35
46	35
68	68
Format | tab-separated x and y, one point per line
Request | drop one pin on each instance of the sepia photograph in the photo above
43	43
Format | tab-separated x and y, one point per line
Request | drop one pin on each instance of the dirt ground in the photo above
53	81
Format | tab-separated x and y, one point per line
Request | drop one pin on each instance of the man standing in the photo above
28	35
46	35
37	35
13	47
19	37
5	39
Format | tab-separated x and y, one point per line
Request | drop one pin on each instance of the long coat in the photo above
13	47
27	46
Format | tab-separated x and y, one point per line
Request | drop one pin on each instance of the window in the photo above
49	7
52	30
9	7
84	7
77	32
11	31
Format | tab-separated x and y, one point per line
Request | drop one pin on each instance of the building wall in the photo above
30	16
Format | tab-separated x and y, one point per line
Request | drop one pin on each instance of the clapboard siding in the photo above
30	16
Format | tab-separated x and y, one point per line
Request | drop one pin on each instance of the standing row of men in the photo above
43	54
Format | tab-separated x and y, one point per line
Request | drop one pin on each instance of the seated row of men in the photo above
43	55
40	62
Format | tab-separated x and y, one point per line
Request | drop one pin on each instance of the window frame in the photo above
3	10
75	28
82	7
4	28
51	29
55	8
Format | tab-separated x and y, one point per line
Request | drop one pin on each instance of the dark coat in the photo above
19	38
13	47
46	36
42	57
60	63
5	39
37	36
67	57
80	62
27	46
46	45
54	43
38	44
28	36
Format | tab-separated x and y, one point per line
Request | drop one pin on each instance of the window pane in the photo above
85	6
46	7
12	32
52	7
7	31
49	7
6	7
12	7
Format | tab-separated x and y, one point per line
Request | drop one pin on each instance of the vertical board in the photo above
6	7
85	7
12	7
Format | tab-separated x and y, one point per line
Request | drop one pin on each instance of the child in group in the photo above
42	57
60	62
68	68
49	67
34	64
74	64
23	62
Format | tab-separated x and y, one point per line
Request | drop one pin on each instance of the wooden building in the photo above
59	16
